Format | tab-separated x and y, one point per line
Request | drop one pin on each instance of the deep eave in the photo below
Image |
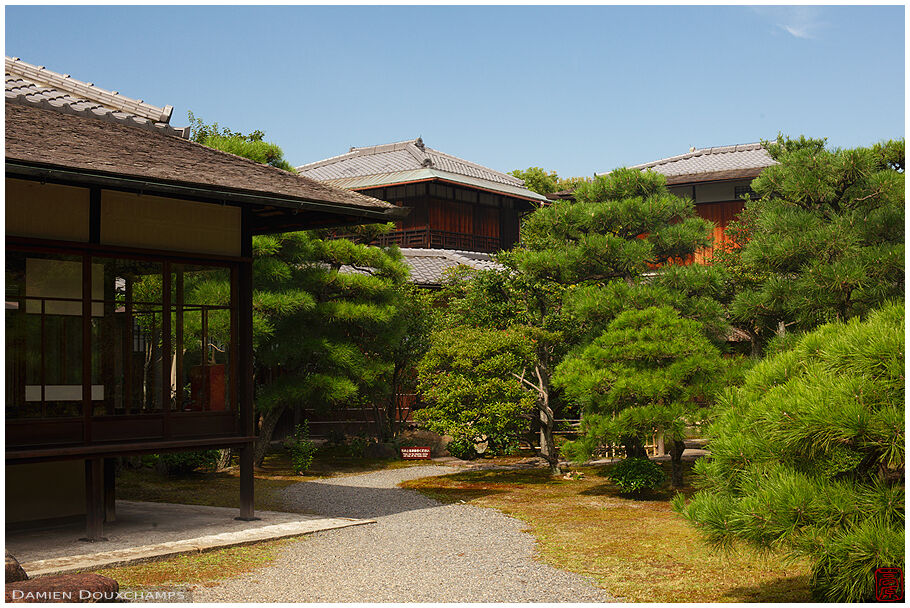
399	178
319	214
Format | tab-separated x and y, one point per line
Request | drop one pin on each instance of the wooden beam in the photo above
245	367
121	449
94	501
110	494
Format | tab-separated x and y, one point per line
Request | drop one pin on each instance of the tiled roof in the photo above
724	162
46	139
405	156
37	86
428	265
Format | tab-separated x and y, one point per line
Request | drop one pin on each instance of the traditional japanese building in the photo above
715	179
455	204
129	289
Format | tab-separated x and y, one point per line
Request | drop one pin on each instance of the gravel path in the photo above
419	550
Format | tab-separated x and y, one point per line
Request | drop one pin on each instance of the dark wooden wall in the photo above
456	210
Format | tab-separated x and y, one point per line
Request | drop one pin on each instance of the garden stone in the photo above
381	450
14	572
84	587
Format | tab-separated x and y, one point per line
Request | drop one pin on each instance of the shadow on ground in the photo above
781	590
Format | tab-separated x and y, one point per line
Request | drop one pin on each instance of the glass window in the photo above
160	336
43	335
201	321
127	356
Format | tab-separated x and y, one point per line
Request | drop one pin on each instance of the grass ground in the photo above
197	568
638	550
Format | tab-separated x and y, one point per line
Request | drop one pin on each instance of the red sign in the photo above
889	584
415	453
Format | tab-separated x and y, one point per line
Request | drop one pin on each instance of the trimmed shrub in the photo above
184	463
462	447
636	475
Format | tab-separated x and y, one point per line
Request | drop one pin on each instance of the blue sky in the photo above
573	89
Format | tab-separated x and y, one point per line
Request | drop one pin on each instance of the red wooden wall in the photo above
721	214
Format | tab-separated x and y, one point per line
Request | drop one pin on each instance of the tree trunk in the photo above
269	420
633	447
224	459
547	422
379	413
676	453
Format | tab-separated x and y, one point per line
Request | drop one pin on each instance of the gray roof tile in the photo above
428	266
400	156
34	85
712	160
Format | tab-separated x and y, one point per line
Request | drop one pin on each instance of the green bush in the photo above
807	457
356	447
635	475
467	382
462	447
184	463
301	448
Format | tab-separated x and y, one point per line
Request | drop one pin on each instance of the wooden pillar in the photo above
110	493
245	369
94	500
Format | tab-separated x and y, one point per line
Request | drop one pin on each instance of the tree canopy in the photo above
824	240
808	456
622	227
542	181
251	145
649	371
328	318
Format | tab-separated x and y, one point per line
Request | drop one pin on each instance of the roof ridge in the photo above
113	99
418	151
353	153
110	116
516	180
700	152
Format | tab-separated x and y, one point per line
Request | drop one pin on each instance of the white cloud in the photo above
799	21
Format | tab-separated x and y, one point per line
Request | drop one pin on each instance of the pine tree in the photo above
823	242
334	321
807	457
649	371
577	266
327	316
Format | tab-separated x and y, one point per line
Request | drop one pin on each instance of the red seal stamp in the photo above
889	584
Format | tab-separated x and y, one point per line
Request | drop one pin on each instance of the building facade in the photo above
129	290
455	204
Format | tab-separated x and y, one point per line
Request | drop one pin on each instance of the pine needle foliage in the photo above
581	263
807	457
824	240
250	145
650	370
327	316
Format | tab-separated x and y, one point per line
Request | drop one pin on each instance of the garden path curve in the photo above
419	550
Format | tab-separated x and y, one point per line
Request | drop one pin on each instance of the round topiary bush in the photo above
636	475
